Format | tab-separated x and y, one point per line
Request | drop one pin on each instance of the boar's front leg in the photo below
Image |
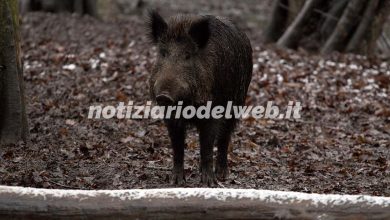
223	140
177	131
207	134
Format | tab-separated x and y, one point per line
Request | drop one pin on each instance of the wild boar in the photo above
200	58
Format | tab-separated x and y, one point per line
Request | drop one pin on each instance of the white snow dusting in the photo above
278	197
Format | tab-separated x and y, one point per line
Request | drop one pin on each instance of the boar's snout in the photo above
164	100
169	91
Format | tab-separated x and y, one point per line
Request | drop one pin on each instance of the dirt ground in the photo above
340	145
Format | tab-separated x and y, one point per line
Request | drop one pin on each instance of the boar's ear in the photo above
157	26
200	32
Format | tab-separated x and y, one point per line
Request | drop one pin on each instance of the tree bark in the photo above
293	33
333	17
79	6
13	120
294	8
186	203
85	7
277	24
365	23
345	26
384	47
376	30
327	26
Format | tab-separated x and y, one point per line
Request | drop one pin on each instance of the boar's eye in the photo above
164	52
187	56
180	39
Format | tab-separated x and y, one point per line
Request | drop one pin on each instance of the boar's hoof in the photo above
222	172
178	178
208	178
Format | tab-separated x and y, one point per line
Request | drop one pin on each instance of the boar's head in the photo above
183	69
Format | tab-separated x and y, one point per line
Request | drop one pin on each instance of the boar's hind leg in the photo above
207	133
177	132
223	140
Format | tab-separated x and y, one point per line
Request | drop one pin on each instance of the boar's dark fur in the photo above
200	59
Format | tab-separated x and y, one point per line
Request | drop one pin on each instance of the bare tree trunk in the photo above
24	6
85	7
333	17
78	6
361	31
293	33
376	30
91	7
294	8
278	22
13	120
344	27
327	26
384	47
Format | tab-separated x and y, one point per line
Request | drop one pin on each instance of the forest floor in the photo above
340	145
